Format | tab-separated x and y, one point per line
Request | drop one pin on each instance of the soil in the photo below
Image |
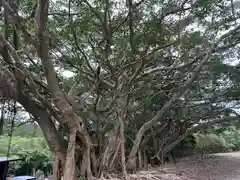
222	166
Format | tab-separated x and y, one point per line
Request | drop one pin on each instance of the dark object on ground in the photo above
4	162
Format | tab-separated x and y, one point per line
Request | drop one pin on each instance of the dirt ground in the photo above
224	166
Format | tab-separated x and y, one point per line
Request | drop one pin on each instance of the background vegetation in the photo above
33	149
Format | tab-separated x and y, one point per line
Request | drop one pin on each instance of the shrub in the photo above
232	138
33	150
209	143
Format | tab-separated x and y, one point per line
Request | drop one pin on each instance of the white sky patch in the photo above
67	74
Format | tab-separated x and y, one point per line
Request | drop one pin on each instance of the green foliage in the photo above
33	150
219	140
24	130
209	143
232	138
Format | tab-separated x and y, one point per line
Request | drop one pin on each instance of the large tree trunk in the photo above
74	122
70	166
44	120
122	106
111	149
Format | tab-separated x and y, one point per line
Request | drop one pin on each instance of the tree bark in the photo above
145	159
108	153
122	104
140	164
56	167
44	120
122	148
74	122
70	165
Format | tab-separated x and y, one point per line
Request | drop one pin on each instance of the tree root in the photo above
142	176
154	174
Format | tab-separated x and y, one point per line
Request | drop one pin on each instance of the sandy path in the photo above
222	166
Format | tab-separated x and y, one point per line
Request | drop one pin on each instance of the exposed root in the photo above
153	175
144	175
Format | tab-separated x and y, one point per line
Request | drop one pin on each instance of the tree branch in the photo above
131	30
160	114
186	65
173	9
